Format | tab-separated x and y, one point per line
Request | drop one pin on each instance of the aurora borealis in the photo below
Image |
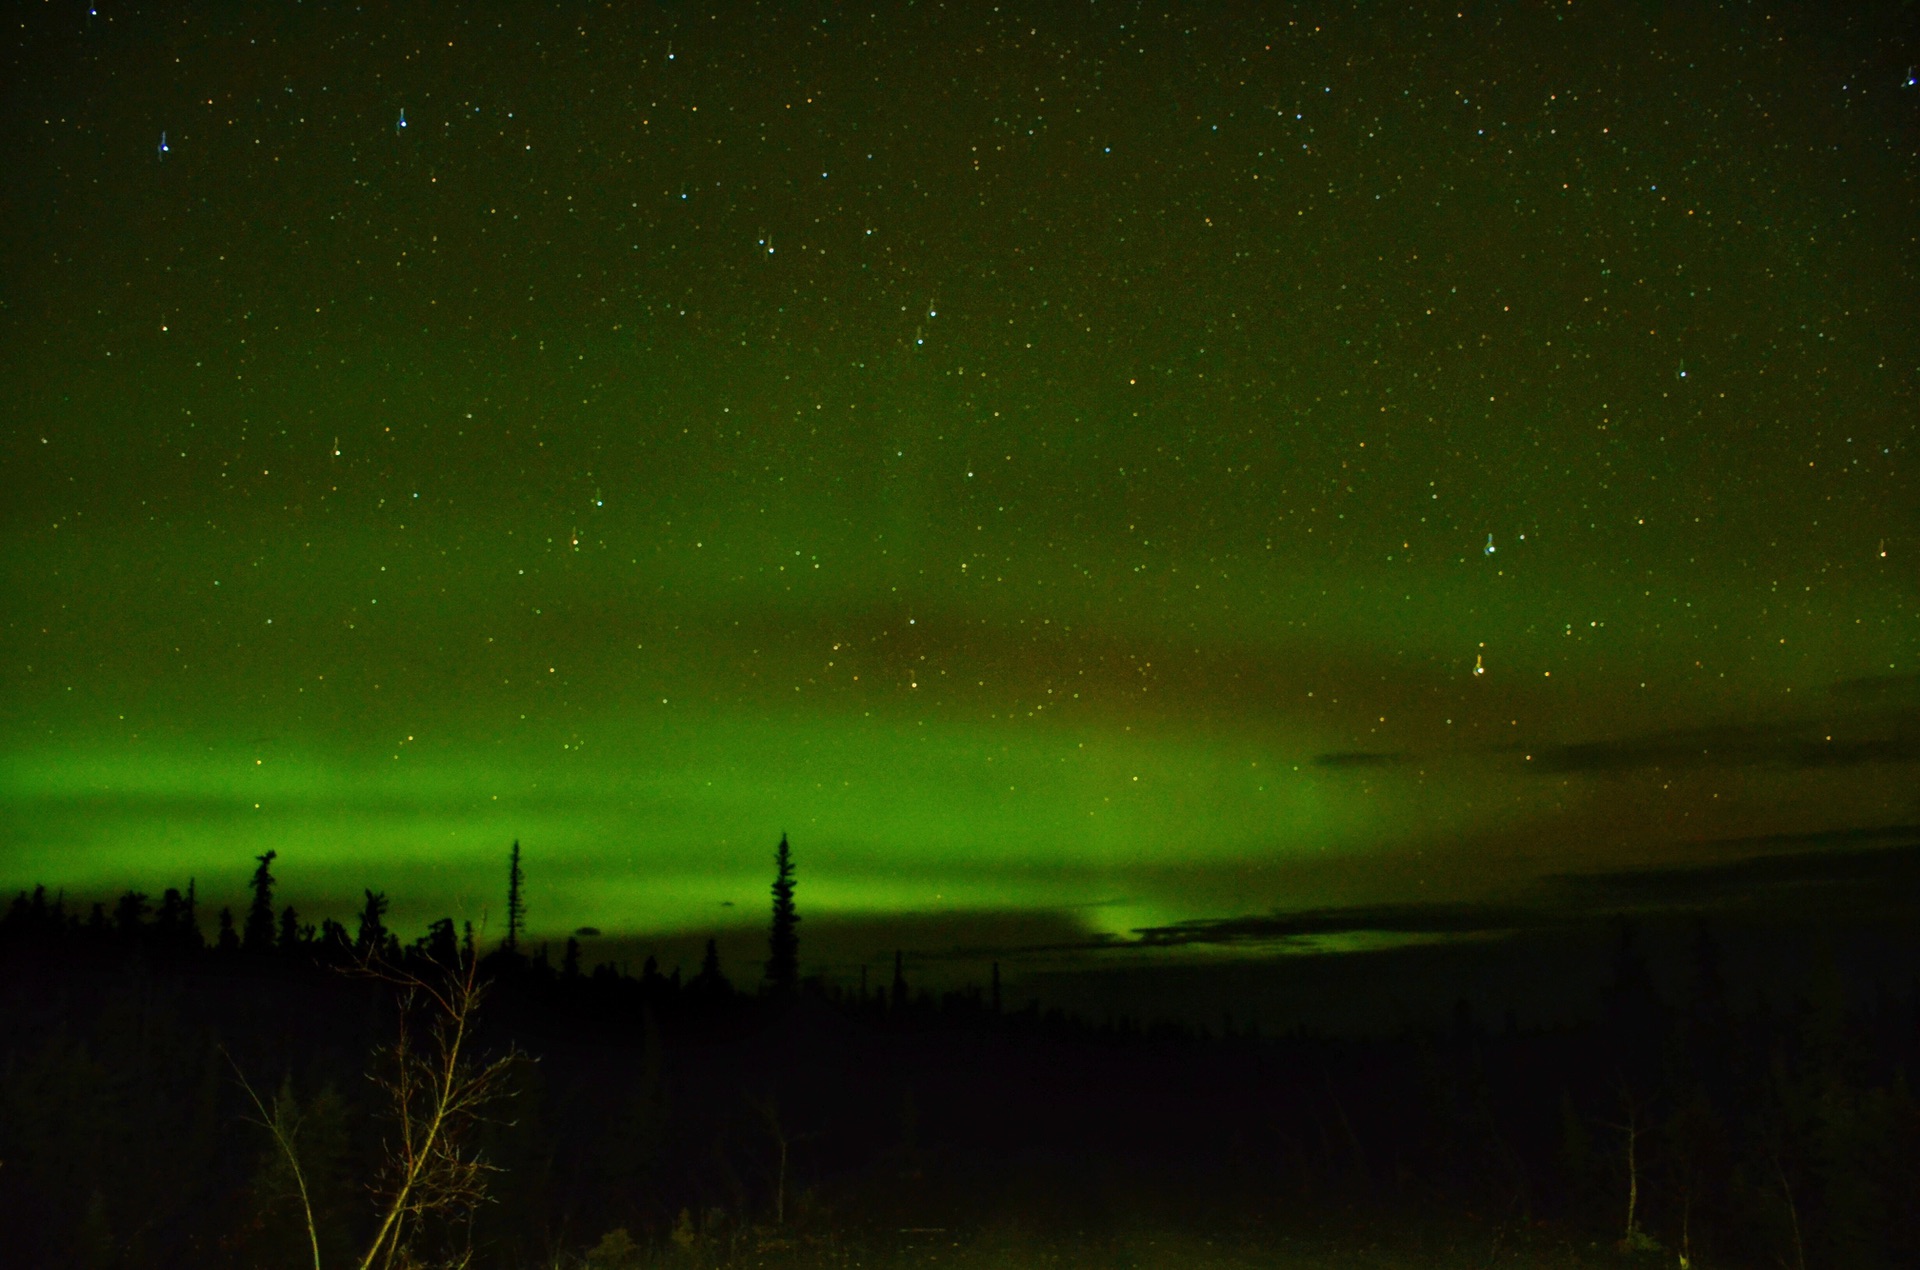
1075	468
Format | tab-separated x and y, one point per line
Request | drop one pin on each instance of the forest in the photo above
278	1093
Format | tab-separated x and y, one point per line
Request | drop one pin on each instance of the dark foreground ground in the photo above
645	1121
1338	1240
1011	1249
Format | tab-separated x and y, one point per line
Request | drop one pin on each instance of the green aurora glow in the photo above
1079	512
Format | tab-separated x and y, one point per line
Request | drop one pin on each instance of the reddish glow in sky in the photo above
1108	468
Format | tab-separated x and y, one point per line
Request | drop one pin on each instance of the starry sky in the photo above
1181	479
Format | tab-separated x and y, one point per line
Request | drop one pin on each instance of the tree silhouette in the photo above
190	917
440	945
334	941
710	982
32	914
229	941
433	1174
258	934
289	930
516	905
173	924
783	940
129	915
372	938
1636	1018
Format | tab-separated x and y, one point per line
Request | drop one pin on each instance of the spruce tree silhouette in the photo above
289	941
516	904
335	945
710	984
33	917
783	940
258	935
129	915
371	942
440	945
1636	1017
229	941
168	918
190	917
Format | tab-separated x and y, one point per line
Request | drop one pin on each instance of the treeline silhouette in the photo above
648	1109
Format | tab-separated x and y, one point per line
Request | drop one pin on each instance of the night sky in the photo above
1087	472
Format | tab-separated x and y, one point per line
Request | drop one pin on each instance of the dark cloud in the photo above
1879	688
1824	837
1872	871
1393	919
1864	880
1801	745
1358	758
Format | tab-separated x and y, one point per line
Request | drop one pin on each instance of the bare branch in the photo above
437	1094
284	1126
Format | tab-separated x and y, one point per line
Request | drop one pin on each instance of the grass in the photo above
1347	1244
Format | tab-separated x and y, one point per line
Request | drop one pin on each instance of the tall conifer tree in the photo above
516	905
191	919
371	942
710	982
783	939
257	936
290	939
